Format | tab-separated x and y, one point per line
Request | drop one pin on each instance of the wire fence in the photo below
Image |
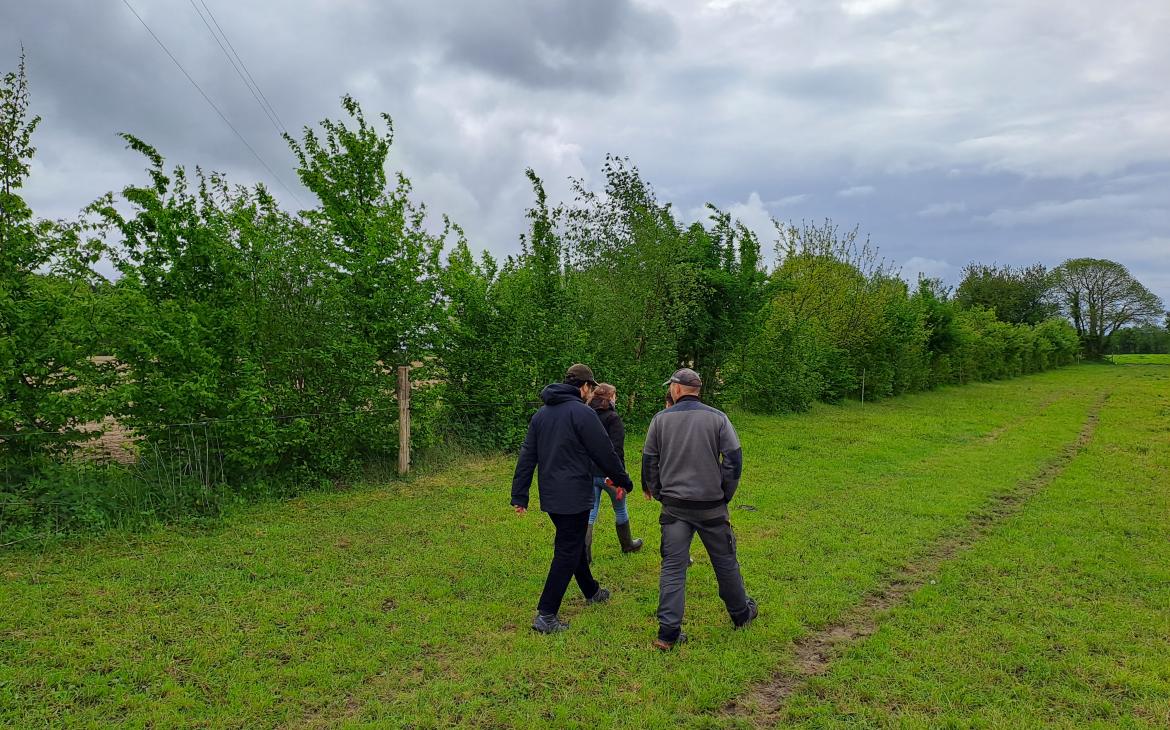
107	474
196	447
220	419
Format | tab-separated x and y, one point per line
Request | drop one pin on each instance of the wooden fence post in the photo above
403	420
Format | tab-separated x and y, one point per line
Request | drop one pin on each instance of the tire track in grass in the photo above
1041	406
813	653
396	697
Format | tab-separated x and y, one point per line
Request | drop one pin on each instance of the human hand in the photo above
646	493
520	510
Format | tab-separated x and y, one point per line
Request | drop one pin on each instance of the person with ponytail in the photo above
604	402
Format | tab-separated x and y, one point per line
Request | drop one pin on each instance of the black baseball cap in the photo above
580	374
687	377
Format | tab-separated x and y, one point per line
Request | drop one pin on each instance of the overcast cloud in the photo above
949	131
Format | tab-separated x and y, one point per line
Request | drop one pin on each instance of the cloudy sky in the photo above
1012	131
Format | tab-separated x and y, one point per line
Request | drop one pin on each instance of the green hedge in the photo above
252	349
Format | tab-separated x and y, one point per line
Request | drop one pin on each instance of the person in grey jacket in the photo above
691	463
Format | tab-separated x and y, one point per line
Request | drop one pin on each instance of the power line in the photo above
271	118
210	102
245	67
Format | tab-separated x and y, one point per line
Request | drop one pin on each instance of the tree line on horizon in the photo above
275	332
1112	312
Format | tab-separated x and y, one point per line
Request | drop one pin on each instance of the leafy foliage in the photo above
1017	295
1144	339
251	350
636	295
1100	297
45	296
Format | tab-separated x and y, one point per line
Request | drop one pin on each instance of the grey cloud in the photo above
918	266
562	44
1132	207
978	127
789	200
704	81
1047	211
853	85
938	210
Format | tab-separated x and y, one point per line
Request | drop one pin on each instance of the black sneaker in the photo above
663	645
549	623
752	611
601	596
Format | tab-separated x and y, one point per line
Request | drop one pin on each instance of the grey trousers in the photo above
678	529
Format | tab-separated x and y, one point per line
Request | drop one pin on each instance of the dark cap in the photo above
687	377
580	374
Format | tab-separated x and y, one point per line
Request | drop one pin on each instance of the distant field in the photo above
991	555
1141	359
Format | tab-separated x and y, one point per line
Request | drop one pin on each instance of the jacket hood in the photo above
559	393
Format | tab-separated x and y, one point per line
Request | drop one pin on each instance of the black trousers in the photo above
568	562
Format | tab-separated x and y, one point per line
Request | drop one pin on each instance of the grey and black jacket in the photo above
692	457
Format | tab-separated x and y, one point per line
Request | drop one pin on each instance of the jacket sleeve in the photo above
731	467
525	465
650	475
599	447
617	435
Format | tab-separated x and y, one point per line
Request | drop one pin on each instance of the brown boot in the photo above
589	546
629	544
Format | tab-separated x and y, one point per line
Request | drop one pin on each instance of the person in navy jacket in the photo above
565	439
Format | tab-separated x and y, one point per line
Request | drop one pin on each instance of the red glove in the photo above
619	491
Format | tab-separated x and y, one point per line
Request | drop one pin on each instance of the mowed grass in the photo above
409	605
1060	617
1141	359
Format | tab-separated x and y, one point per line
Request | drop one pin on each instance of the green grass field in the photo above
1141	359
408	605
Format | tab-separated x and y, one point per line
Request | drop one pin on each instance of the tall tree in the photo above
727	258
1018	295
44	269
1100	296
636	296
378	245
836	279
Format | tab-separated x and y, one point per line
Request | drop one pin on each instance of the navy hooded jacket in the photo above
565	438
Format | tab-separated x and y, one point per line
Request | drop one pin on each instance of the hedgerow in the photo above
251	349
